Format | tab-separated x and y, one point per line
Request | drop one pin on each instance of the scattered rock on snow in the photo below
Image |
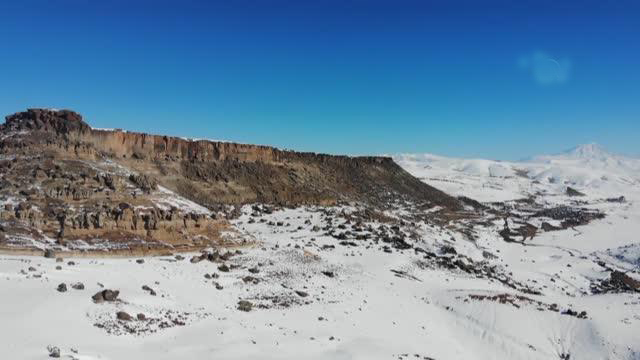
223	268
150	290
54	351
244	305
329	274
573	192
105	295
124	316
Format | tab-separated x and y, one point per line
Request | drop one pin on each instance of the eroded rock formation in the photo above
64	182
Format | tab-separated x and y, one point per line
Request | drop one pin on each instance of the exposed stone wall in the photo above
228	172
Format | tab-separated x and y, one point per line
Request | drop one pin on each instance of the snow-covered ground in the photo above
588	167
315	297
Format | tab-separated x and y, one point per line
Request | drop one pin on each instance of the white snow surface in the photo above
365	311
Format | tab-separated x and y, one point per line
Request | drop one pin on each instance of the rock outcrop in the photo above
65	182
229	173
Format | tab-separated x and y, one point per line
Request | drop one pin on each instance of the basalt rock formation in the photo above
63	182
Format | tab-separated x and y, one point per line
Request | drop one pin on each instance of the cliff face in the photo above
122	144
213	173
63	182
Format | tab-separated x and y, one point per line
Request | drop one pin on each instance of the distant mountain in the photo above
591	153
588	151
588	167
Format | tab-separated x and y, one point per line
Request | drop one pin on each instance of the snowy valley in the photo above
540	261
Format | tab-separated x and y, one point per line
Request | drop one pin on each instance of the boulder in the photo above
105	295
223	268
78	286
244	305
54	351
123	316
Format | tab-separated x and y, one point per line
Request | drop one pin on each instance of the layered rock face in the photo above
64	182
49	199
213	173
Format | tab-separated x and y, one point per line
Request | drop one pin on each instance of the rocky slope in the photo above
66	183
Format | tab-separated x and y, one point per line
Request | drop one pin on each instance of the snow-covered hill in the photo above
587	168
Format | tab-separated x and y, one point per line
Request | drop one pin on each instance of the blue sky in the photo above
484	79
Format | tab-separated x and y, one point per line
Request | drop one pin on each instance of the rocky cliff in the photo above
227	173
63	181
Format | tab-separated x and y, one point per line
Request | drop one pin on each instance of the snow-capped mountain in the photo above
589	168
591	151
593	156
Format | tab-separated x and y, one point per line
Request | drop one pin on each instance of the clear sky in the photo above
484	79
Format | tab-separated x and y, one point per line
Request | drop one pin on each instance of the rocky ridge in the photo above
67	184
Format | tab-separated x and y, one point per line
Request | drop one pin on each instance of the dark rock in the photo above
213	257
150	290
328	274
446	249
570	217
548	227
62	287
141	317
573	192
622	280
250	279
302	293
244	305
78	286
121	315
223	268
54	351
105	295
